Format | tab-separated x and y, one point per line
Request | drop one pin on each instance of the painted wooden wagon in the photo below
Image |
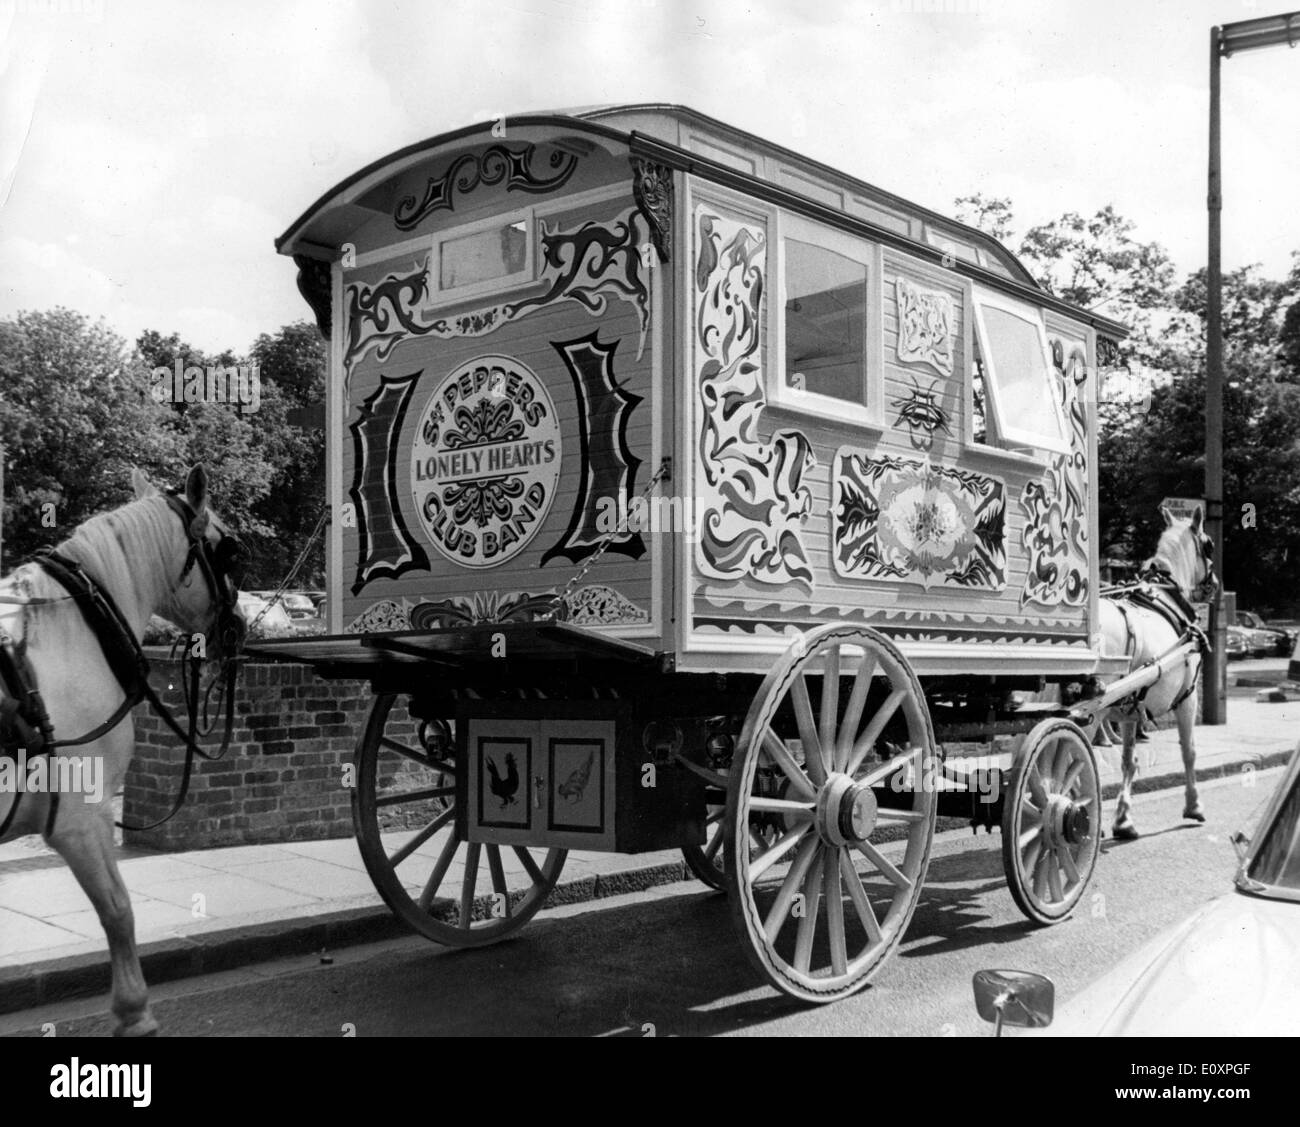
688	493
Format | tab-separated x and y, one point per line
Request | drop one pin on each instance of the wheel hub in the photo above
1066	822
846	811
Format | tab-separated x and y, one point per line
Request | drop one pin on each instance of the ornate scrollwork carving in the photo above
314	285
652	187
513	164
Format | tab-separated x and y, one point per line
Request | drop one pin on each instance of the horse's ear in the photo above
196	488
141	484
1197	519
1167	513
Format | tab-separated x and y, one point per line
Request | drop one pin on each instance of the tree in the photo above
990	214
1097	265
1162	452
268	476
76	415
293	361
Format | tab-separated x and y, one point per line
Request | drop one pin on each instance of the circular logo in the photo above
485	461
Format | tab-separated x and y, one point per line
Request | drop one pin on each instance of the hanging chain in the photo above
302	558
561	600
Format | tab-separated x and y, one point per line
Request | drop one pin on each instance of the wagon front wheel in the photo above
458	893
1051	821
837	754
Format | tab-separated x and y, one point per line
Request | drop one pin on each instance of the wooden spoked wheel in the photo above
1051	821
707	862
458	893
821	906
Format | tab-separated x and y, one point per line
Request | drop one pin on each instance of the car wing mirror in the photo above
1014	997
1241	843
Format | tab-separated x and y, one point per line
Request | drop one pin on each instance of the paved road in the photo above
668	958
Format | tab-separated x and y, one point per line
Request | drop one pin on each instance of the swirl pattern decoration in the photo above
752	496
1056	506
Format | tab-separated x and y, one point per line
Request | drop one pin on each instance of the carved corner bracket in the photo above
652	187
314	285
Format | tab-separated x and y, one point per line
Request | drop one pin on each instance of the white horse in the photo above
1182	563
149	562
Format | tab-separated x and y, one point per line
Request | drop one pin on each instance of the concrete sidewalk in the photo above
209	910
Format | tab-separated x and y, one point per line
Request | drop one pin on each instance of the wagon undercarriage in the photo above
810	795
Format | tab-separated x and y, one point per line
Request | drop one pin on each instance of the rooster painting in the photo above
572	787
507	787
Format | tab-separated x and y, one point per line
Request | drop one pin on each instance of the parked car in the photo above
1238	643
160	632
1278	639
298	605
1229	969
272	620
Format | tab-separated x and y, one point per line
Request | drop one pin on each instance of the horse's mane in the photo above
137	534
1178	551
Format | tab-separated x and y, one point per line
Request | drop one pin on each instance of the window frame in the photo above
1009	438
453	295
870	409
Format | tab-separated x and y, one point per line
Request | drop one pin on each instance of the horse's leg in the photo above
1124	828
84	839
1185	714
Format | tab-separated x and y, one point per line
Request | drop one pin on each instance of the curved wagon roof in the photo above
683	139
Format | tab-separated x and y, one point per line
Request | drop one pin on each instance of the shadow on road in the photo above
1112	842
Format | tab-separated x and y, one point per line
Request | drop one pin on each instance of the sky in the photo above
150	153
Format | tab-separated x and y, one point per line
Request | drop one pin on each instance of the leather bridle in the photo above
1157	571
221	567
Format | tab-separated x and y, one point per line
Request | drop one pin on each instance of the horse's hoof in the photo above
1126	833
144	1027
1194	815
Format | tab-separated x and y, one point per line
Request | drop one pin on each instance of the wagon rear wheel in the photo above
1051	821
708	861
705	861
819	900
458	893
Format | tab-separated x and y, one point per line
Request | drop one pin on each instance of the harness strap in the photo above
1159	594
1130	639
130	667
107	622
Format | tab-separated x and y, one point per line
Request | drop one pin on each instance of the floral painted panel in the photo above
914	522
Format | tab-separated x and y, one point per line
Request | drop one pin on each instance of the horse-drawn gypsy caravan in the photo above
689	493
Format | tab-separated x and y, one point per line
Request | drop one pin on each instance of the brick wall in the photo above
282	778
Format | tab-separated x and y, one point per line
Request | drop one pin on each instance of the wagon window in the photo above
498	252
979	417
1020	397
825	322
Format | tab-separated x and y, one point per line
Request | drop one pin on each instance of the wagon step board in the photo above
464	647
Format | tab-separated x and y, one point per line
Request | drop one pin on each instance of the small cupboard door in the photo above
541	782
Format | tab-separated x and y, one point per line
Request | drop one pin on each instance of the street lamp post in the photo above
1229	39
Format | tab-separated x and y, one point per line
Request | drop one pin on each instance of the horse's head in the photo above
204	561
1185	554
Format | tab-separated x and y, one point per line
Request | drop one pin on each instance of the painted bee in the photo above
920	411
